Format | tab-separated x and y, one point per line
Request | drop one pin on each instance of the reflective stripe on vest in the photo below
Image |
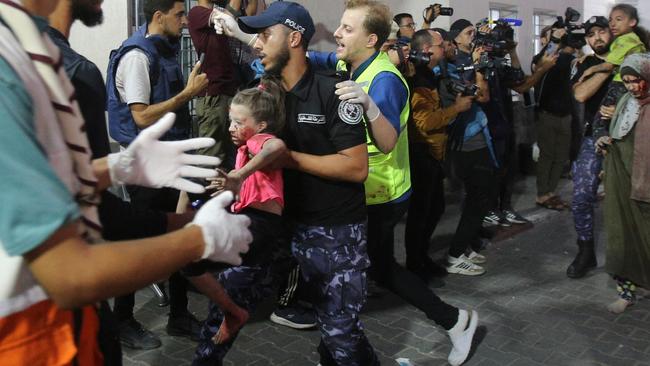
389	174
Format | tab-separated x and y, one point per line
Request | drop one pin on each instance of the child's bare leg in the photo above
234	316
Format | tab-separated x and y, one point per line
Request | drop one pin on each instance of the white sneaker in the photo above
461	336
462	265
476	258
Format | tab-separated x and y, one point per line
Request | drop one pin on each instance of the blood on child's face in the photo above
242	125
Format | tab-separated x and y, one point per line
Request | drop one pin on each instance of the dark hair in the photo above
377	19
632	13
420	39
398	18
265	102
150	7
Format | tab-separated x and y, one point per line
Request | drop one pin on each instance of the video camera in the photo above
500	40
570	23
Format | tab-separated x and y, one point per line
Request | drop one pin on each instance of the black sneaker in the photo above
296	317
133	335
494	218
185	325
514	217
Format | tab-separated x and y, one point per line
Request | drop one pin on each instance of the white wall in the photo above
96	43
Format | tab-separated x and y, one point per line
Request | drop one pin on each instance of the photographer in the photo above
506	76
471	155
588	93
407	25
427	144
553	95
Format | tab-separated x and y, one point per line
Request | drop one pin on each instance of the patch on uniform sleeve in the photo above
350	113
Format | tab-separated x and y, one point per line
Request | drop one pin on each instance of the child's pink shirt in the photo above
261	186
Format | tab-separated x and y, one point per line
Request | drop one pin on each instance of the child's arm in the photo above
605	67
272	150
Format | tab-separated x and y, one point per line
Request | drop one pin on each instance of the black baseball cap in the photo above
595	21
292	15
458	26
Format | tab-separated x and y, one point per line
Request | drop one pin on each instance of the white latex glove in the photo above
353	92
225	235
148	162
224	23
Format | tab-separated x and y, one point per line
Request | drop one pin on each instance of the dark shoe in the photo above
185	325
584	261
374	289
514	217
133	335
296	317
495	217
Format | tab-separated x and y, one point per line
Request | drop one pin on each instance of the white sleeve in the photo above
132	78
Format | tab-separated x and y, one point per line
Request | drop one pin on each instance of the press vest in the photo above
389	175
166	80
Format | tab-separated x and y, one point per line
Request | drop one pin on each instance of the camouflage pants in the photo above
333	261
336	262
585	187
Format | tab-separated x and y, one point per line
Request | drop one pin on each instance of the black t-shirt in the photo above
554	93
318	123
592	104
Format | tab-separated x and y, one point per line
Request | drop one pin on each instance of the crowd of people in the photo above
304	165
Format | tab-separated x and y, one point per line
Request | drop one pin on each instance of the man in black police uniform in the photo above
326	167
588	164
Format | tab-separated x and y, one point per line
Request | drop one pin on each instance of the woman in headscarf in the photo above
627	183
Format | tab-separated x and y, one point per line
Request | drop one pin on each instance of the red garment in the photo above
218	65
261	186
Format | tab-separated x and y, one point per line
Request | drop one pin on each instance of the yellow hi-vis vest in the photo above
389	175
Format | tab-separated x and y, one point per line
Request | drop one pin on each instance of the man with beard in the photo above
144	81
588	164
324	195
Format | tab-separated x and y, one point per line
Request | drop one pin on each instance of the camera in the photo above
570	20
419	58
570	23
499	41
456	86
444	11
